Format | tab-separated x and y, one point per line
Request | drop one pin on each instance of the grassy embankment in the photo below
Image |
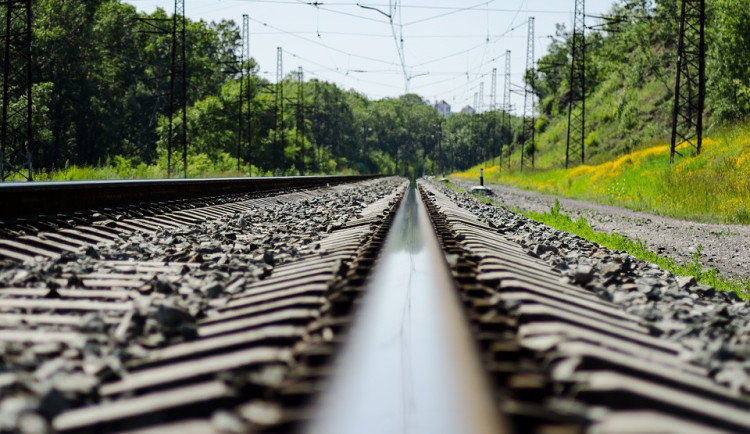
199	166
637	248
713	186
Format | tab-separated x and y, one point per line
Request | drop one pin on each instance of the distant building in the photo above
443	108
468	109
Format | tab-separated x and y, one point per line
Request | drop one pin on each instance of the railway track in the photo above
357	307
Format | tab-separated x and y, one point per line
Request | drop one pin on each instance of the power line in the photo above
378	5
384	36
338	71
458	53
454	11
312	41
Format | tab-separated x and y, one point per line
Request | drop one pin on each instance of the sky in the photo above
450	47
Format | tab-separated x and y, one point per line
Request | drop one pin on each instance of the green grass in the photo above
713	186
638	248
118	167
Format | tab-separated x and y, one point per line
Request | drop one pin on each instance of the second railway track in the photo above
233	315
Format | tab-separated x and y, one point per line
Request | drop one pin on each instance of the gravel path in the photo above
724	246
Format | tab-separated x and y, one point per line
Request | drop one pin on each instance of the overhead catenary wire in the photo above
337	71
399	38
363	66
313	41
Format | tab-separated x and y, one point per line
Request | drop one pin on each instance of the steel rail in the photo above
45	198
410	363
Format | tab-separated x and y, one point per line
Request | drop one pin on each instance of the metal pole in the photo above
29	84
246	55
675	112
299	136
577	82
506	107
689	103
701	76
528	103
279	133
6	87
16	133
183	91
240	119
493	107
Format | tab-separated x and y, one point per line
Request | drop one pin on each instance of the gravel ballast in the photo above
713	326
723	246
194	265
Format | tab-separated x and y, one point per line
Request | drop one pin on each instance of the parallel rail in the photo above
24	200
565	360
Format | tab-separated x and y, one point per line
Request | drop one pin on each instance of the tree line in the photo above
101	94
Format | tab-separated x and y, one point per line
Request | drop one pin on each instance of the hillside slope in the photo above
630	68
630	80
713	186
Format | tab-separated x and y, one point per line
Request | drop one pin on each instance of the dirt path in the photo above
726	247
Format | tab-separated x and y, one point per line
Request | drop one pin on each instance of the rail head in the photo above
29	200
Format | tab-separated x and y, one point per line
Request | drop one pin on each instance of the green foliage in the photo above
121	167
555	209
713	186
102	86
101	79
728	62
101	95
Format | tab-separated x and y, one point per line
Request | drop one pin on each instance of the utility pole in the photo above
493	90
178	88
279	132
16	134
439	159
690	80
480	101
506	107
246	58
480	134
476	152
300	136
493	107
240	119
577	80
528	95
